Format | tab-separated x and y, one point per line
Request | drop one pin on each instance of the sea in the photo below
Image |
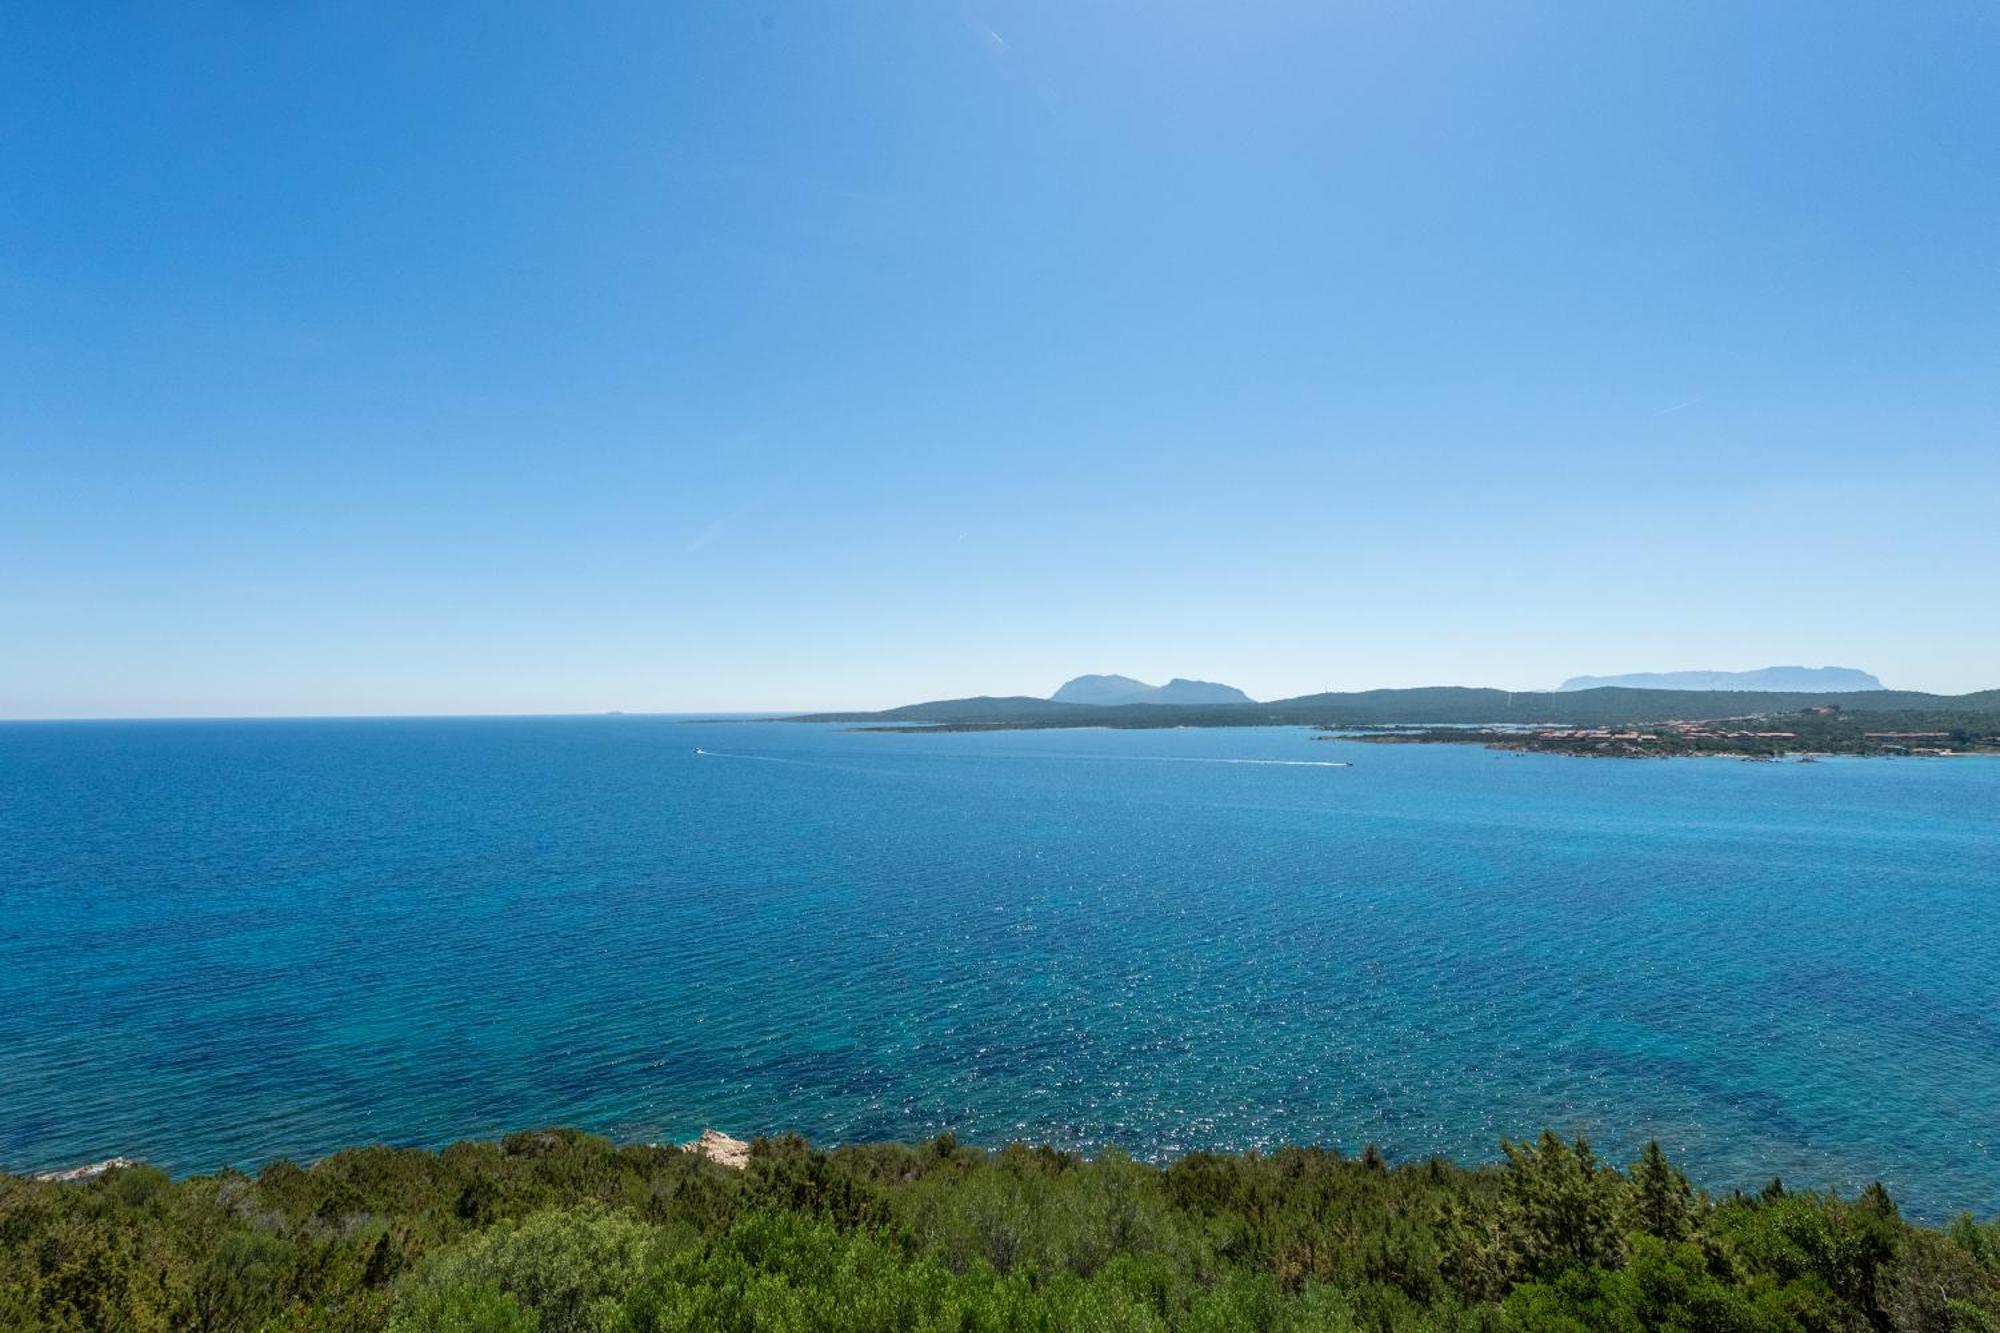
227	942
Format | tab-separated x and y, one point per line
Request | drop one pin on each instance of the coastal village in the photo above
1687	736
1807	733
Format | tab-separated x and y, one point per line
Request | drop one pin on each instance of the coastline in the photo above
562	1230
1658	743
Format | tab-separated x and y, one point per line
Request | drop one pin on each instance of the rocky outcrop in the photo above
89	1171
719	1148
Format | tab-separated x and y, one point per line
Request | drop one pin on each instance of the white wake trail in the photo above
761	758
1198	759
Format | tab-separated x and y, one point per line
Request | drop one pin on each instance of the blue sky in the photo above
454	357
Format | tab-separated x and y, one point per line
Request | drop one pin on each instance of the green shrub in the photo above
562	1266
563	1232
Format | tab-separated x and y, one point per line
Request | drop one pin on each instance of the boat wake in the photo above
761	758
1204	759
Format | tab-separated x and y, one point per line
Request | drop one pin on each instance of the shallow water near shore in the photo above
223	942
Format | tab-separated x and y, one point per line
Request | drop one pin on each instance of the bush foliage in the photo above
561	1232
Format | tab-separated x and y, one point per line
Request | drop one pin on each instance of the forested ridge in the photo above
1439	705
561	1231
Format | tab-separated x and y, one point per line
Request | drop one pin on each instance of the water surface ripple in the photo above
224	942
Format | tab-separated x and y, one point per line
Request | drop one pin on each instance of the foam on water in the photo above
221	942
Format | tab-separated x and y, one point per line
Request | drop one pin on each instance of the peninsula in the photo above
1821	730
1605	720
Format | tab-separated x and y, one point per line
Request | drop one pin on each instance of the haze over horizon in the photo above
392	361
1033	693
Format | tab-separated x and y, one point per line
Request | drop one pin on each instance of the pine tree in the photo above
1658	1199
1559	1207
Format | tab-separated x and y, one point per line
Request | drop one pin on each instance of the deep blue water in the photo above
224	942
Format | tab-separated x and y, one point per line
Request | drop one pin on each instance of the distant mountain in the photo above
1180	690
1104	691
1770	680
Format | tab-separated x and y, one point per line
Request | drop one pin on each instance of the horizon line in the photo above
684	714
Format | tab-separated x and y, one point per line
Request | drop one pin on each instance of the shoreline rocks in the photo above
88	1171
719	1148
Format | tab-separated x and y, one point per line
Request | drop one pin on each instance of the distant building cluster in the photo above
1912	742
1666	731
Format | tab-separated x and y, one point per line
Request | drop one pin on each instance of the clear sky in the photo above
495	357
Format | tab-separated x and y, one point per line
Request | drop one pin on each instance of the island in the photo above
1125	690
1787	679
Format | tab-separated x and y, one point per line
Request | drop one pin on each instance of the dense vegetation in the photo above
1765	736
1438	706
560	1232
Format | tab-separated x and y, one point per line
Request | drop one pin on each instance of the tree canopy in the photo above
563	1232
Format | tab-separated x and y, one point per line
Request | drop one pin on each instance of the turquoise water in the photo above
223	942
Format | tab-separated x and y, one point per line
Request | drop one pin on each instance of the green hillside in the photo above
1436	705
